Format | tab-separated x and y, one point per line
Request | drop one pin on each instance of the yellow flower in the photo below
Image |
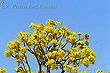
60	43
43	42
21	55
29	42
40	26
50	62
52	22
2	70
49	29
91	59
73	54
74	49
23	49
69	68
41	35
73	34
54	41
63	31
71	50
77	63
85	62
61	53
80	42
33	26
93	53
18	69
70	59
27	69
23	36
87	50
86	36
75	70
70	38
54	53
19	61
13	44
49	22
8	53
56	30
57	23
48	55
86	42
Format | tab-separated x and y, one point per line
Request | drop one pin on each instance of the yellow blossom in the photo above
85	62
70	59
23	49
91	59
52	22
69	68
23	36
54	53
50	62
13	44
61	53
2	70
8	53
33	25
54	41
21	55
48	55
86	36
29	42
18	69
40	26
93	53
19	61
60	43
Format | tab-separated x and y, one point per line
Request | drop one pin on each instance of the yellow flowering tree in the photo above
53	46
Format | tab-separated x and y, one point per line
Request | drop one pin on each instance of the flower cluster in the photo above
69	68
53	46
21	70
2	70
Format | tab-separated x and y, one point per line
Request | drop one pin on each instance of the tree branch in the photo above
48	69
64	45
27	63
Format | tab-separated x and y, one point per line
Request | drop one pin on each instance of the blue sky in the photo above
87	16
